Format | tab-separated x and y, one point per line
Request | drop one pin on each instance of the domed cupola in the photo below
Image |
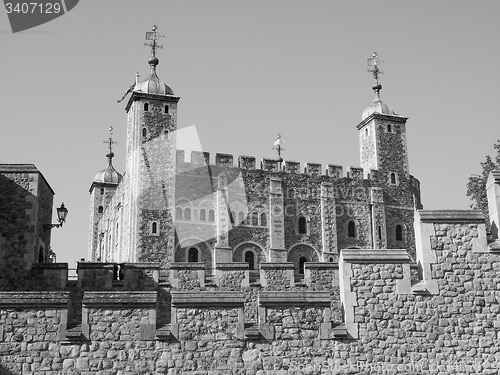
108	175
153	84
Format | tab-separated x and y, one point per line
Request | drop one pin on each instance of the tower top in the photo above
153	36
377	105
108	175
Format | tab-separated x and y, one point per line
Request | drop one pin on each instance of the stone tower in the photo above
102	190
384	156
150	168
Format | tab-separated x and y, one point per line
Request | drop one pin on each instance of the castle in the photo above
209	268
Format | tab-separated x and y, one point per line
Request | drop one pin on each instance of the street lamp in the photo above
62	212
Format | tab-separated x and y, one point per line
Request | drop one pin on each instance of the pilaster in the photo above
379	227
277	222
328	222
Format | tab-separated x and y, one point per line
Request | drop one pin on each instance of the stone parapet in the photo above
292	167
246	162
224	160
49	275
95	275
232	275
187	276
277	276
321	276
12	300
140	276
269	165
313	169
355	173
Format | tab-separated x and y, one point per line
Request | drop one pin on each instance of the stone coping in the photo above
208	299
141	265
115	299
375	256
49	266
322	265
236	266
275	265
11	299
452	216
96	265
187	265
279	298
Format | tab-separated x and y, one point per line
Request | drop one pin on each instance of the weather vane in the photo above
277	146
154	36
110	141
374	63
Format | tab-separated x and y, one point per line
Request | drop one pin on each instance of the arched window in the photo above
379	232
302	225
389	128
166	109
100	209
302	262
330	259
250	259
393	178
263	219
154	228
399	232
102	191
211	215
144	132
193	255
241	217
146	106
187	214
351	229
178	213
203	215
255	218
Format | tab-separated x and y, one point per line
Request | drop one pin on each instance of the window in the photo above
187	214
102	191
255	218
330	259
211	215
263	219
379	232
250	259
232	215
399	232
154	228
40	255
389	129
146	106
166	109
302	262
351	229
144	132
100	209
302	225
193	255
393	178
203	215
366	132
178	213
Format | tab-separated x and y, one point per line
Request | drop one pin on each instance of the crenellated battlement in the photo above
202	159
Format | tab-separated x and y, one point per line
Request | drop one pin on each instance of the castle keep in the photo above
228	267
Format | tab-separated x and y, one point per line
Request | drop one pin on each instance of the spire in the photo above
110	142
278	147
109	175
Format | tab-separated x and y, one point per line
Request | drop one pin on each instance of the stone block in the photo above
269	165
246	162
292	167
355	173
335	171
313	169
224	160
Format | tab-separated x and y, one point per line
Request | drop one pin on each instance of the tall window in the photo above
263	219
399	232
351	229
393	178
144	132
154	228
302	225
302	262
203	215
100	209
232	216
102	191
250	259
389	128
146	106
187	214
166	109
255	218
211	215
193	255
379	232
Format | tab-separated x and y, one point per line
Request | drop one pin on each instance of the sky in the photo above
246	71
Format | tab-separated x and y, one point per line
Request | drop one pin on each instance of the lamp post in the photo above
62	212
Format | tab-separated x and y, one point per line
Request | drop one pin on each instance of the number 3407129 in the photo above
32	7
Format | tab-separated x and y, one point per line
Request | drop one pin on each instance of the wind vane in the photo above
154	36
277	146
110	141
374	62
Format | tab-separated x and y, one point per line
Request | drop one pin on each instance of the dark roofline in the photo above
24	168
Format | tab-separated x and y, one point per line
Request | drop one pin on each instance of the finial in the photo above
277	146
374	61
110	142
154	36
